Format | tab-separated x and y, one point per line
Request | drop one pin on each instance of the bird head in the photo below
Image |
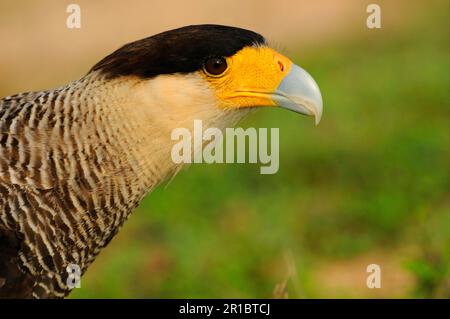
211	73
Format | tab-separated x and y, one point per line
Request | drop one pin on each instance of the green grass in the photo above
372	178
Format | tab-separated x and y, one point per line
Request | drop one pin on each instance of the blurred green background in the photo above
370	184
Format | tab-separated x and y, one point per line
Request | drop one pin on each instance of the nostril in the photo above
281	65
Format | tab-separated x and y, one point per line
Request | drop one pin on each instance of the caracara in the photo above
75	161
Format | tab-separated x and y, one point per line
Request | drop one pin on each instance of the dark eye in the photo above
215	66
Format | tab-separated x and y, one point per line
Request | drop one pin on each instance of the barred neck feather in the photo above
76	161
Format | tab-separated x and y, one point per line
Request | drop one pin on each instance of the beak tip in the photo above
300	93
317	120
318	114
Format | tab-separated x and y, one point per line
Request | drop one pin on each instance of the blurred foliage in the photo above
371	180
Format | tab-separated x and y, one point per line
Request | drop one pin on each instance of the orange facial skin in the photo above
252	75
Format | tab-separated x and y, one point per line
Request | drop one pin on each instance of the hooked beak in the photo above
299	92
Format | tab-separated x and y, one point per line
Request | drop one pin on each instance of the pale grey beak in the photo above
299	92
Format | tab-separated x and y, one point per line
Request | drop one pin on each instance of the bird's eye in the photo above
215	66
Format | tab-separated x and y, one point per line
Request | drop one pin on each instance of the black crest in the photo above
181	50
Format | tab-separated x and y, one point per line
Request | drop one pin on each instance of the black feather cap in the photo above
182	50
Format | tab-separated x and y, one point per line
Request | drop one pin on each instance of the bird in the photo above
75	161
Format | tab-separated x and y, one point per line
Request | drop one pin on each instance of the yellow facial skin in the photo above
252	75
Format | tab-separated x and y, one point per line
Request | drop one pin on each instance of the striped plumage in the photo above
75	161
68	180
